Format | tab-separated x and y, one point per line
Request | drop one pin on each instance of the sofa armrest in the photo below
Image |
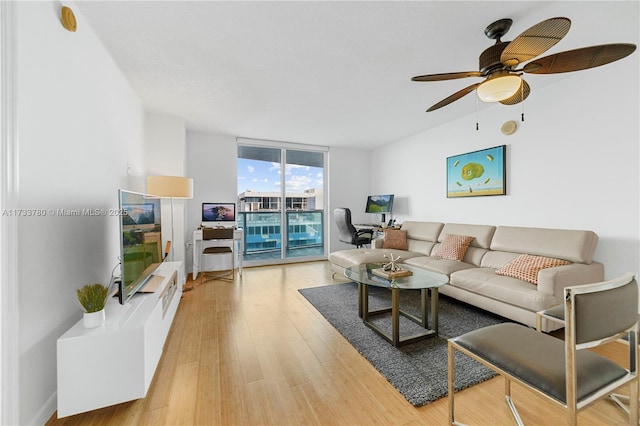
377	243
554	280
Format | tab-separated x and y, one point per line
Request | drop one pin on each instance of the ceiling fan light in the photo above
499	88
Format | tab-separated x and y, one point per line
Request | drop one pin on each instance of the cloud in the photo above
274	166
298	183
290	168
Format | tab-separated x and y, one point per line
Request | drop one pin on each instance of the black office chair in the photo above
347	232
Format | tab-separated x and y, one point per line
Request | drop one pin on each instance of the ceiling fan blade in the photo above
454	97
535	41
446	76
519	96
580	59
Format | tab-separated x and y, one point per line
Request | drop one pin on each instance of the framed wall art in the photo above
478	173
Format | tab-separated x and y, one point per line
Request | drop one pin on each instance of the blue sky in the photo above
264	176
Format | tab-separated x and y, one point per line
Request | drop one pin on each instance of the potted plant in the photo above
92	298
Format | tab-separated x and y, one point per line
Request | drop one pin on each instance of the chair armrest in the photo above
555	314
361	232
554	280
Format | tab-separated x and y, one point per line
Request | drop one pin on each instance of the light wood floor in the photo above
255	352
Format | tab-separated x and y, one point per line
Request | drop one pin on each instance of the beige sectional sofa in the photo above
474	280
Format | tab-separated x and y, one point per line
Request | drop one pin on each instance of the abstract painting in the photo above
478	173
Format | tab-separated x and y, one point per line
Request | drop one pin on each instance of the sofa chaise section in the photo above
421	238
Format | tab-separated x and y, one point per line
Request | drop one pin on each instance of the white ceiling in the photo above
333	73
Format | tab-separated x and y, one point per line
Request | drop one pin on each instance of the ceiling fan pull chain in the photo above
522	101
477	101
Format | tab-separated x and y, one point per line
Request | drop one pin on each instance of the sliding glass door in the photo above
281	202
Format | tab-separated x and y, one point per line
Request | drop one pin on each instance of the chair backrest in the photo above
217	233
346	230
587	305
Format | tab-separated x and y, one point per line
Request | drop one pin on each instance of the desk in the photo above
238	241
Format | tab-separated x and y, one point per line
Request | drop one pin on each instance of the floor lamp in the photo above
170	187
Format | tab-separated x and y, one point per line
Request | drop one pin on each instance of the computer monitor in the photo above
382	204
220	214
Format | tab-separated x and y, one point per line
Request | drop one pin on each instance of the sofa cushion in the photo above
512	291
423	231
526	267
482	233
497	259
423	247
573	245
436	264
359	256
454	247
395	239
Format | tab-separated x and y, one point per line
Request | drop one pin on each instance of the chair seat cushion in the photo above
217	250
538	359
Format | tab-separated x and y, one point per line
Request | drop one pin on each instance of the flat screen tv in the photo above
382	204
219	212
140	241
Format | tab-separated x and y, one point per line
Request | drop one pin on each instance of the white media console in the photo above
115	363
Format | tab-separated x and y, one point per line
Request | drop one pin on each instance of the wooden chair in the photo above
218	234
563	371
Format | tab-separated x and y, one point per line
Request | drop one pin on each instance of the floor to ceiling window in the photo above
281	201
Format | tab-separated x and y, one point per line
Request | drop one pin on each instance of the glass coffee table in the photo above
422	280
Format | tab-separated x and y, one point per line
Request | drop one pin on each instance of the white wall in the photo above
212	162
80	126
165	153
349	185
572	164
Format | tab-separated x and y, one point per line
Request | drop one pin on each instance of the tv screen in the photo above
140	241
379	203
218	212
138	214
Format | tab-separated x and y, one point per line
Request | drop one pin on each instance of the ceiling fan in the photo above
503	82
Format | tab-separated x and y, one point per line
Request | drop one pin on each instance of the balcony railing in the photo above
263	230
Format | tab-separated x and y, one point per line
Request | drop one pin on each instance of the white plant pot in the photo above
93	319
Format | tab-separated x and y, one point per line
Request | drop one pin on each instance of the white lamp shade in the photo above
499	88
170	186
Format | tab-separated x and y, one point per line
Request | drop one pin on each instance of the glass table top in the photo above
420	279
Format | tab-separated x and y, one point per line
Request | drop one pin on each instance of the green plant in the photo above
93	297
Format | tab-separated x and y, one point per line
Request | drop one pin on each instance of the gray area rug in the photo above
417	370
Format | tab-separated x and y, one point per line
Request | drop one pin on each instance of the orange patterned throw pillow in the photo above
454	247
526	267
395	239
